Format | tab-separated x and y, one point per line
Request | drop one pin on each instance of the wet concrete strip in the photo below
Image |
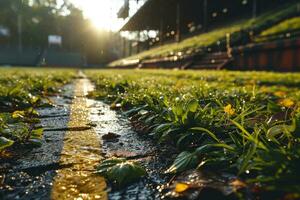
120	140
70	155
155	158
82	149
28	173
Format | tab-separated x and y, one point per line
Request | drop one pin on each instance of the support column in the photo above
205	12
130	48
20	27
147	41
254	9
138	42
20	42
161	32
178	22
124	47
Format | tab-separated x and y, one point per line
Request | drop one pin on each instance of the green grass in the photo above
22	90
197	43
242	123
285	26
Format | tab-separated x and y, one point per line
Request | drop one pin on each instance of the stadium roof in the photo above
156	13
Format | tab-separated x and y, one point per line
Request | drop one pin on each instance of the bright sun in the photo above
102	13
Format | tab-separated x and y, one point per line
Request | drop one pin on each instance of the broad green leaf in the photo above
211	147
277	130
162	127
18	114
204	149
192	105
248	136
170	133
178	109
225	146
187	138
134	110
106	164
211	134
125	173
4	143
34	100
35	142
245	159
150	119
37	134
184	161
120	172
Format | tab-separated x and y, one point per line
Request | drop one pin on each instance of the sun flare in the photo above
102	13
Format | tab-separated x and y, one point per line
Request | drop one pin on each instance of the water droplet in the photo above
63	188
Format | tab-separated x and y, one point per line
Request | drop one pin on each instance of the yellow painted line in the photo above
82	148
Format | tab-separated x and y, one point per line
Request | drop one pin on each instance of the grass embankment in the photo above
242	123
289	28
21	92
285	26
197	43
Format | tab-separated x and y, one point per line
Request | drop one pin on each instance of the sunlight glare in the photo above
102	13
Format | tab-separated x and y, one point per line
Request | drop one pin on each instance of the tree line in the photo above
40	18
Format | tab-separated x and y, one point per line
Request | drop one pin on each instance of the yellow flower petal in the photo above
280	94
181	187
287	103
229	110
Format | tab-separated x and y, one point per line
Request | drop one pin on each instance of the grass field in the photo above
243	123
21	92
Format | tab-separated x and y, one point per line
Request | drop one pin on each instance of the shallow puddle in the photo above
130	145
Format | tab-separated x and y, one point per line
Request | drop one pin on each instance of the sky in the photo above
103	13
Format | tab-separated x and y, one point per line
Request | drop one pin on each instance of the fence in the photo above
37	56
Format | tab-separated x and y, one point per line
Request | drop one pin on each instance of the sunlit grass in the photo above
285	26
242	123
22	91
